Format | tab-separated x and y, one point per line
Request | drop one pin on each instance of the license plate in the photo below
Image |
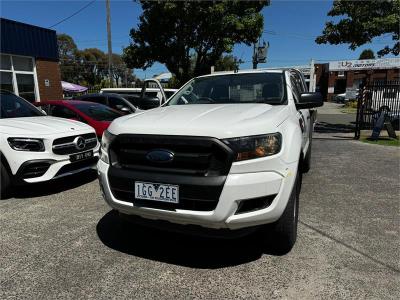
81	156
157	192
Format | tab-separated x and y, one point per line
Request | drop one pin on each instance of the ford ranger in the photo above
225	152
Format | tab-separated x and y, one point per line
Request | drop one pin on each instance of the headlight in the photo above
106	140
26	144
255	146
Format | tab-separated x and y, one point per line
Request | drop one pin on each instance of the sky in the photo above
291	29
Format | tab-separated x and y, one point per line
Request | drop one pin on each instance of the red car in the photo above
96	115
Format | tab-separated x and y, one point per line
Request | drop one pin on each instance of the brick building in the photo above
29	61
347	76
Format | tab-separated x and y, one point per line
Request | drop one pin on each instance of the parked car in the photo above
114	101
154	96
96	115
150	92
227	152
36	148
340	98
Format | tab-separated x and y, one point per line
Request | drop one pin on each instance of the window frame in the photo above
15	72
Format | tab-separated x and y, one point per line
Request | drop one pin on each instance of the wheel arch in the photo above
5	163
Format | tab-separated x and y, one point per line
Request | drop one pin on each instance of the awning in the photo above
72	88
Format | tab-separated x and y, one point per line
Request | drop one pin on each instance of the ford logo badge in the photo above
160	156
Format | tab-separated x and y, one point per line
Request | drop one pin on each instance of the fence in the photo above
374	98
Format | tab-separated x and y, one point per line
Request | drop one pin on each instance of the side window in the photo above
116	103
297	85
63	112
100	99
295	90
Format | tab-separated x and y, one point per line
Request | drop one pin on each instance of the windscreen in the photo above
233	88
98	112
13	106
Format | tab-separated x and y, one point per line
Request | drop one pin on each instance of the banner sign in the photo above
364	64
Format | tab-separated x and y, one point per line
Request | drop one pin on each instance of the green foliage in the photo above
66	51
361	22
172	33
367	54
226	63
89	67
66	46
384	141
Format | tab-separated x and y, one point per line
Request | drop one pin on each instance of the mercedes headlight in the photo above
26	144
255	146
106	140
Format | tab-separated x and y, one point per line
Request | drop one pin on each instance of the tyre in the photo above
5	184
280	237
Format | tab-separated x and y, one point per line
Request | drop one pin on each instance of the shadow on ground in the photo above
54	186
324	127
176	248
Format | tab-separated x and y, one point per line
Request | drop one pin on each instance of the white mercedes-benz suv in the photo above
227	151
35	147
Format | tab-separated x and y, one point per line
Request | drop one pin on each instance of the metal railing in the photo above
375	98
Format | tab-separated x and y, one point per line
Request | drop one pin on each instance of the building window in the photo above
6	81
18	75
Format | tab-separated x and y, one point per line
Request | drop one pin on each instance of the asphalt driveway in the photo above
60	240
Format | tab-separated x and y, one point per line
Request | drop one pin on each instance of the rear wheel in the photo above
281	235
5	184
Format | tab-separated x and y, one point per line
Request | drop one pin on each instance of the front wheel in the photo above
281	235
5	182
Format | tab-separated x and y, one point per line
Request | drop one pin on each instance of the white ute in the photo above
225	152
36	148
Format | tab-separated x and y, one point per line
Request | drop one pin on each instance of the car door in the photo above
304	116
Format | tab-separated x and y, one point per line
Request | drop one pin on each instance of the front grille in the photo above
66	145
199	167
33	170
72	167
195	156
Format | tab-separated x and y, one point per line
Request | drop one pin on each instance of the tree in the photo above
367	54
121	72
361	22
66	46
173	32
93	65
226	63
67	50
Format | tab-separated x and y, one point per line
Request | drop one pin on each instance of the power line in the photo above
74	14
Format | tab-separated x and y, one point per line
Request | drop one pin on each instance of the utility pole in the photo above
254	57
109	44
260	53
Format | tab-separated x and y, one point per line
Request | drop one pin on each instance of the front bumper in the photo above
237	187
57	167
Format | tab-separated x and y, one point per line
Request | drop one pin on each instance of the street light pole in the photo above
109	44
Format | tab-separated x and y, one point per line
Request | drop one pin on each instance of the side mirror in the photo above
125	109
149	103
310	100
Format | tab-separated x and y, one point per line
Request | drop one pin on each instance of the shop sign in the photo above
364	64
